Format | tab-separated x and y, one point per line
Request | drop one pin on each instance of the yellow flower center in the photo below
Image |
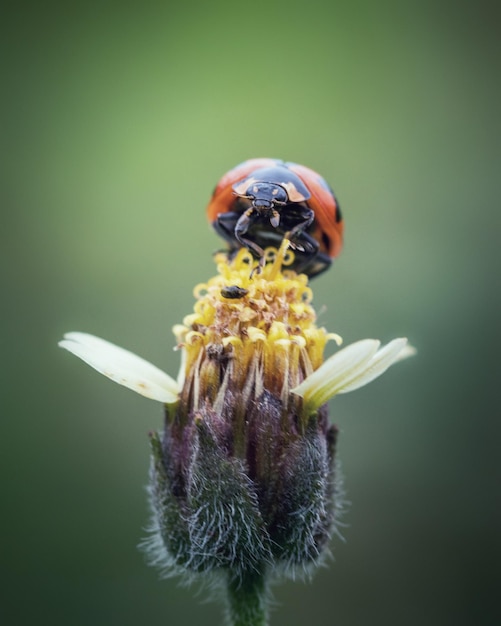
251	329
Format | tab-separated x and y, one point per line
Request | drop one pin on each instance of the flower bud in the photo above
243	478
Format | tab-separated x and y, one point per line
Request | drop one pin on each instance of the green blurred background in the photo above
118	121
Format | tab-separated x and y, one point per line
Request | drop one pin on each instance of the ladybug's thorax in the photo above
271	187
265	196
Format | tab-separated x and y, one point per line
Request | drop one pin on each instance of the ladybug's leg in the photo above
242	226
297	232
306	244
224	225
310	261
316	265
308	216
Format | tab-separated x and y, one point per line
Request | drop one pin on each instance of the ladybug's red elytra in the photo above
261	201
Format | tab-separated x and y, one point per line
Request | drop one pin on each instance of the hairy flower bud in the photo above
242	477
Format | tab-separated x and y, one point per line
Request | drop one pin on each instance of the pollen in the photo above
255	327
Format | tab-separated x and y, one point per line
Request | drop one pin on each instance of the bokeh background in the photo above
118	120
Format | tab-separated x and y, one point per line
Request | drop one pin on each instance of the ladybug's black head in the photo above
265	196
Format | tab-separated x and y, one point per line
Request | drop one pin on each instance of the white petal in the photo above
350	368
406	352
122	366
339	370
379	363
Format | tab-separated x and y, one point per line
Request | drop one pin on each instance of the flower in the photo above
244	483
348	369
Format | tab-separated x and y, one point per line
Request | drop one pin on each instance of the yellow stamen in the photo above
261	335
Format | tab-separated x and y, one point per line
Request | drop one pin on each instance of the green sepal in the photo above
226	527
168	515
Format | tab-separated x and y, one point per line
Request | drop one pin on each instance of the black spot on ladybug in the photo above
234	292
339	216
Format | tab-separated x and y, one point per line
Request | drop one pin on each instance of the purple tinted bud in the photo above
243	479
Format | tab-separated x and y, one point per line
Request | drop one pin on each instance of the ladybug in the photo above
261	201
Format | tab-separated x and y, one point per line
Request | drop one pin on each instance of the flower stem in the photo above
248	600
